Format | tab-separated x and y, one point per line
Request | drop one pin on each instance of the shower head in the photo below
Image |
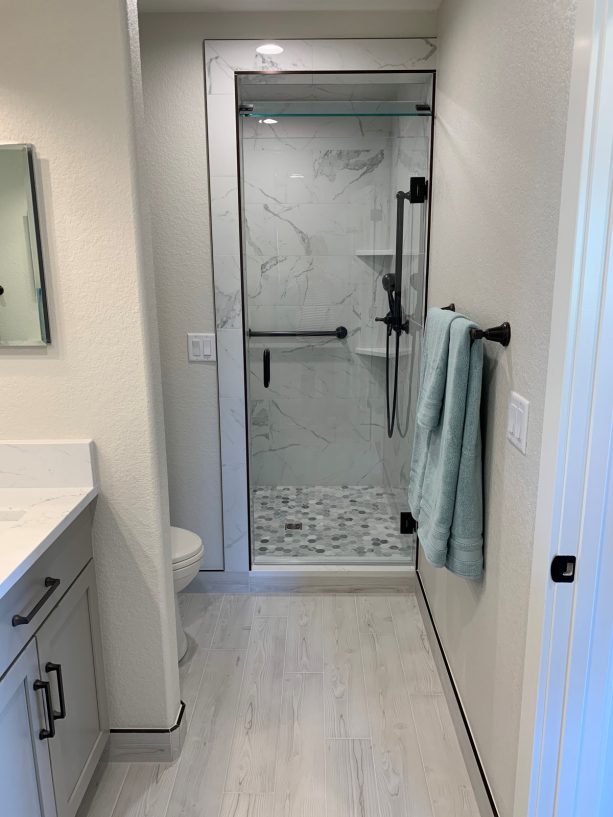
389	282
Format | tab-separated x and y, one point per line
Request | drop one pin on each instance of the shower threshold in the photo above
337	525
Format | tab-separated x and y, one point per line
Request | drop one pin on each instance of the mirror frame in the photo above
45	328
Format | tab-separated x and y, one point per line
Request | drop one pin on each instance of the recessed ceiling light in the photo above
296	175
269	49
267	121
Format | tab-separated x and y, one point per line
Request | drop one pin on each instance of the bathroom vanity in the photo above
53	721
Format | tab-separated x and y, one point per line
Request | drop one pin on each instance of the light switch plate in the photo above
201	347
517	423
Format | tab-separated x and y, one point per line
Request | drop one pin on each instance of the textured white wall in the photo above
173	85
66	88
502	95
175	139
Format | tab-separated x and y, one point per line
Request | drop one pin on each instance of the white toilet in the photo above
187	550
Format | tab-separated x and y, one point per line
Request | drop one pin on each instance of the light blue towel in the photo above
432	381
445	490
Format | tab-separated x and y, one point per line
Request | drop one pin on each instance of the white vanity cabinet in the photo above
53	720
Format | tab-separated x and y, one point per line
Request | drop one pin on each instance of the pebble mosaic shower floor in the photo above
349	524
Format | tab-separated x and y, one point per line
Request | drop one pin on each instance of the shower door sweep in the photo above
334	175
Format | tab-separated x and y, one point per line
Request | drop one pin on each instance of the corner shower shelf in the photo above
378	351
385	253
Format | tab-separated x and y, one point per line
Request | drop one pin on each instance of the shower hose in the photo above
391	407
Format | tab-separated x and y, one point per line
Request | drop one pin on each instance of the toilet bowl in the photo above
187	550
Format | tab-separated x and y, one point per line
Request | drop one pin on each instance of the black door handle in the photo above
266	361
57	668
53	585
46	734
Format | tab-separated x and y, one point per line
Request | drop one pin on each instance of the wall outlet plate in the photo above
517	423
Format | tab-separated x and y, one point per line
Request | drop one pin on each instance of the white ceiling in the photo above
288	5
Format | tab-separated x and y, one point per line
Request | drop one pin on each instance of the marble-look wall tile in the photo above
224	214
230	363
224	57
233	430
221	118
417	54
228	297
235	516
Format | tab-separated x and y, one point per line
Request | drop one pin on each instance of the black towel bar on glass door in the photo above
340	332
499	334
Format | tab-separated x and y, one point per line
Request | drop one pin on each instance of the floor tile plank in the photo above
351	789
300	772
305	635
419	668
203	763
146	790
450	789
234	624
401	780
247	805
107	790
344	691
274	605
252	759
199	614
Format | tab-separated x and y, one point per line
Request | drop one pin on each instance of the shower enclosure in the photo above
334	175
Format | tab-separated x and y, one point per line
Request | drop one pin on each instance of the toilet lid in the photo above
185	545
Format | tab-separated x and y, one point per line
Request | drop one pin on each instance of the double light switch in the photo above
517	425
200	347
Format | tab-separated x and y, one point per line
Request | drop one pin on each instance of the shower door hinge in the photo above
407	523
563	569
418	189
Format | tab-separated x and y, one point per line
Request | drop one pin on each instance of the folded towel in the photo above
445	490
432	380
465	551
432	388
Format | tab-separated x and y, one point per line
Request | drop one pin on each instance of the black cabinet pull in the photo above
46	734
266	361
53	585
57	668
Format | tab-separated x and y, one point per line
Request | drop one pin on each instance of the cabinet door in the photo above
26	788
70	659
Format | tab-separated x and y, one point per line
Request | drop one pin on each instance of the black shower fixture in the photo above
392	284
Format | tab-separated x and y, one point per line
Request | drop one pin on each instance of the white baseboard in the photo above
307	579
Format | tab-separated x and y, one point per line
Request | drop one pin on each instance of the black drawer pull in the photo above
57	668
266	361
53	585
46	734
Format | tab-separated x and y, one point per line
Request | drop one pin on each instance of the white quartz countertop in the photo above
38	501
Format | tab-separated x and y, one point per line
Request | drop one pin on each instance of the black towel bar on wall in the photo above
499	334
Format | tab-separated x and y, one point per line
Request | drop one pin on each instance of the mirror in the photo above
23	306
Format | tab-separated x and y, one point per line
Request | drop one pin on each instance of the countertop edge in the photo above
10	580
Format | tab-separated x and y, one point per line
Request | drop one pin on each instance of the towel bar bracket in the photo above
499	334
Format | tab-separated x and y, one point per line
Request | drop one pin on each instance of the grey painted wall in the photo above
173	85
499	140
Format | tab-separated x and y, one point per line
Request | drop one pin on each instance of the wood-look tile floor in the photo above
303	706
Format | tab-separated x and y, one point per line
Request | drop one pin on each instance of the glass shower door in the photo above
318	205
